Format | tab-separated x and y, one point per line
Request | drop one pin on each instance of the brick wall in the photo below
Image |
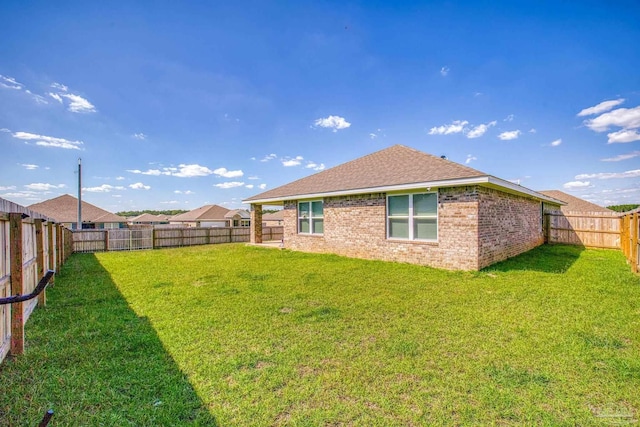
509	225
355	226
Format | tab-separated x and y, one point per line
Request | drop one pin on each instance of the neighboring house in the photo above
238	218
575	204
148	219
273	219
64	209
205	216
400	204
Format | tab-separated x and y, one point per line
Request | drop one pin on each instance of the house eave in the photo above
485	180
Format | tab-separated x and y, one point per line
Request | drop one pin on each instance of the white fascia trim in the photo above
476	180
522	190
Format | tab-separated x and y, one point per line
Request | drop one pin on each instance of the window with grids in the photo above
311	217
413	216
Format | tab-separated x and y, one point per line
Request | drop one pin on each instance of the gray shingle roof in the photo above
65	209
395	165
203	213
575	204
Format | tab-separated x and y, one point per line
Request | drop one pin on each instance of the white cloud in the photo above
170	202
576	184
509	118
28	166
10	83
152	172
480	130
104	188
268	157
182	171
625	118
288	162
532	130
373	136
262	186
227	173
622	157
184	192
27	195
470	158
39	186
509	135
333	122
10	187
59	86
600	108
608	175
39	99
5	130
556	142
141	136
78	104
315	166
249	186
48	141
56	97
624	135
119	178
457	126
139	186
231	184
253	177
189	171
444	71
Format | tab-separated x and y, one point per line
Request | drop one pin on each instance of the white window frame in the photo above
410	216
311	217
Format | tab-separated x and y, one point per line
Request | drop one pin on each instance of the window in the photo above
311	217
413	216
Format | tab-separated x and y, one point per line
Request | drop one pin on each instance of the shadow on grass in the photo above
545	258
92	360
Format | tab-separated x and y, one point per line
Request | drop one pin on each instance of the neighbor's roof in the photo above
394	168
575	204
204	213
244	214
65	209
273	216
147	217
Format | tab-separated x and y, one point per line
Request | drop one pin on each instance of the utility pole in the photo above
79	226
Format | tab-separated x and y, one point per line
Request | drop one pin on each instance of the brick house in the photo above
400	204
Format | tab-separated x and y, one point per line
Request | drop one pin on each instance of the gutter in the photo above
486	181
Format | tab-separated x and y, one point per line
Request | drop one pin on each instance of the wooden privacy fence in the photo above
630	236
153	238
30	244
595	230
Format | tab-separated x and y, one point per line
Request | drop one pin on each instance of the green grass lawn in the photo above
237	335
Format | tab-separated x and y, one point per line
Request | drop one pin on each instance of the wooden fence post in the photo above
17	285
58	246
51	249
42	298
634	241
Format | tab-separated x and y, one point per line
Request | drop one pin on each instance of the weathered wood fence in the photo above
595	230
630	239
153	238
30	244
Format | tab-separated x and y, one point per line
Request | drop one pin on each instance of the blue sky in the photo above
172	105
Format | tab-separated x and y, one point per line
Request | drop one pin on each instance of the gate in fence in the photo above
112	240
130	239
